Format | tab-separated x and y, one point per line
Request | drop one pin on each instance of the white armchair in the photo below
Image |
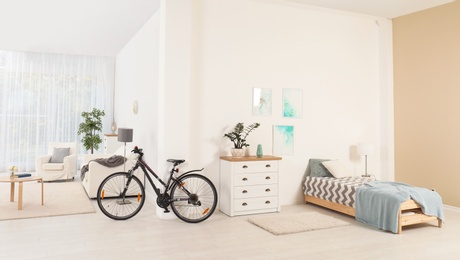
60	163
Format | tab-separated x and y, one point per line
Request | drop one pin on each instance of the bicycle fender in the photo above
185	173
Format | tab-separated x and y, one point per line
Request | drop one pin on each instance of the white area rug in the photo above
282	224
61	198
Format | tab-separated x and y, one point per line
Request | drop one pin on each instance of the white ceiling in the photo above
103	27
89	27
382	8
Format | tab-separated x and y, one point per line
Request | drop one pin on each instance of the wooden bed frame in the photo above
403	220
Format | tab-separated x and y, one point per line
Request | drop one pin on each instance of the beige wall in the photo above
427	100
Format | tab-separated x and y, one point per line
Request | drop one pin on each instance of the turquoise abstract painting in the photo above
283	140
261	102
292	103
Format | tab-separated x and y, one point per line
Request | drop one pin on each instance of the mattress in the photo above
338	190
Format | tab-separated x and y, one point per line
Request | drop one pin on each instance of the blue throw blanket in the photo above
378	203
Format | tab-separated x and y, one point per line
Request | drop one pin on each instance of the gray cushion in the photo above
59	154
317	169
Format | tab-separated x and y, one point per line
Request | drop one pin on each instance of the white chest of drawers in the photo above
249	185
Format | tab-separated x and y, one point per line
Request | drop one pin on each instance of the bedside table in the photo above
249	185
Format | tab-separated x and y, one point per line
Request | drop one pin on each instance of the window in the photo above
41	100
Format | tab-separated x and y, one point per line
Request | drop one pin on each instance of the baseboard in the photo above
449	207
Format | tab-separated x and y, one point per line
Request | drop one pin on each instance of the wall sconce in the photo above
135	107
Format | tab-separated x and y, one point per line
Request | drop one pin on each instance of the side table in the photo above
20	181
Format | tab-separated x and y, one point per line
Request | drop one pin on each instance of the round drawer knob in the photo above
267	190
267	202
267	178
245	179
244	204
245	166
268	166
245	191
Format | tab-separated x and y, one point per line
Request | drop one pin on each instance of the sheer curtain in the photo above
42	97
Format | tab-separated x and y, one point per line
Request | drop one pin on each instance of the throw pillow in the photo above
337	169
59	154
317	169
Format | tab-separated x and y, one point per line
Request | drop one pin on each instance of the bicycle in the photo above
191	196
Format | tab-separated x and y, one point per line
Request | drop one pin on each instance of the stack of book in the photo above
22	175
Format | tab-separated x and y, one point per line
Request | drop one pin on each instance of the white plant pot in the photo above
237	152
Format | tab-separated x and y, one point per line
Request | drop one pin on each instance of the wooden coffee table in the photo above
20	181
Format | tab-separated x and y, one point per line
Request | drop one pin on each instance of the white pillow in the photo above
337	169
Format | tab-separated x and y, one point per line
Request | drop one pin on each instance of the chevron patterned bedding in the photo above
338	190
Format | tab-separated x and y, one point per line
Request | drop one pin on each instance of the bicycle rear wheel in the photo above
199	204
111	200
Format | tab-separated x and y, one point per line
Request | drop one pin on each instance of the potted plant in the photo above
238	137
89	127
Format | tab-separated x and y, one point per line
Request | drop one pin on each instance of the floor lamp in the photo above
365	149
125	135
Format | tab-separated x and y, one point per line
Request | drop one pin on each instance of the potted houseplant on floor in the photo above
90	127
238	137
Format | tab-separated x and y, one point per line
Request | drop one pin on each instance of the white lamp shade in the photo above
365	148
125	135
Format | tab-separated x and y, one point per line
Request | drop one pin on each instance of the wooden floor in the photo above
94	236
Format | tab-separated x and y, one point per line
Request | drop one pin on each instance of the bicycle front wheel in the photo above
193	198
117	204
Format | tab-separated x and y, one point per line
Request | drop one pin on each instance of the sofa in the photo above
97	172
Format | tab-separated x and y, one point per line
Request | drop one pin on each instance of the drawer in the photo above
255	191
260	166
255	179
256	203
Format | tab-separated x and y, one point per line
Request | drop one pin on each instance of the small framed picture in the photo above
292	103
261	102
283	140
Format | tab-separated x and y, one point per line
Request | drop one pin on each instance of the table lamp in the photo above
125	135
365	149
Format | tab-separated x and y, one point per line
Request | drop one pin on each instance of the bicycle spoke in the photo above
113	204
200	204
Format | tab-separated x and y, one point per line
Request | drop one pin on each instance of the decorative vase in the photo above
114	127
259	153
237	152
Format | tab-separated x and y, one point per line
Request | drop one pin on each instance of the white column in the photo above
174	83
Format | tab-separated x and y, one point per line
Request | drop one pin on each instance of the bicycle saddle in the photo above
175	162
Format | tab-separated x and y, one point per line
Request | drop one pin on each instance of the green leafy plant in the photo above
240	133
89	127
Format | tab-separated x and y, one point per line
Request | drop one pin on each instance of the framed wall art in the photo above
283	140
292	103
261	102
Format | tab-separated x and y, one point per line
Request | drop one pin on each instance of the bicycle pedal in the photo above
166	211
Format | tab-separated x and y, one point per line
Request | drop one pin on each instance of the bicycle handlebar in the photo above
138	151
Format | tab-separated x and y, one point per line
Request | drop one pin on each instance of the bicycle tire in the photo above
111	202
200	204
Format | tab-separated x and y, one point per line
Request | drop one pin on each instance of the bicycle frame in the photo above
167	186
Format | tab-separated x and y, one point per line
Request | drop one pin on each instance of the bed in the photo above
340	193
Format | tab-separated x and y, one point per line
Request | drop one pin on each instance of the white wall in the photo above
137	75
333	56
336	58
